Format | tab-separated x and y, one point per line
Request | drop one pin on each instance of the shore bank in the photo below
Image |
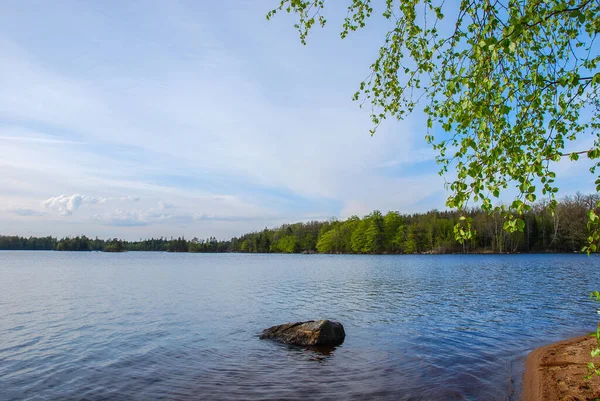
556	372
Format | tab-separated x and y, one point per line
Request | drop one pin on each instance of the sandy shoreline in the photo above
556	372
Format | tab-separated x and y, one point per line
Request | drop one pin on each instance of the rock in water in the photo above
311	333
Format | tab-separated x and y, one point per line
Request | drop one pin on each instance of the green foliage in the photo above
505	91
245	246
286	244
328	242
374	235
410	243
27	244
114	245
178	245
594	369
391	223
82	243
209	245
358	238
399	239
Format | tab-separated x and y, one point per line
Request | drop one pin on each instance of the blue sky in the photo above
137	119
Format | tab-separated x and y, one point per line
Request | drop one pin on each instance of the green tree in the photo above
410	243
374	235
114	245
391	222
288	243
346	232
400	238
326	241
245	246
358	239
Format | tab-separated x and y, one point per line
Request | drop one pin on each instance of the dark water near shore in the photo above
149	326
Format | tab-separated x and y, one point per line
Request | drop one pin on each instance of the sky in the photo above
167	118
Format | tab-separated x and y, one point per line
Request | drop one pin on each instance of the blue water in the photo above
150	326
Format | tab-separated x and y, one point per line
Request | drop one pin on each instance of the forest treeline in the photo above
393	232
83	243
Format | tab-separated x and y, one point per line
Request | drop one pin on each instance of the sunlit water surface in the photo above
150	326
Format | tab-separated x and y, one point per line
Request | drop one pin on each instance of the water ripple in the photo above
149	326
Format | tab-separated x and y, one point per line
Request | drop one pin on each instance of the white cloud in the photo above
65	205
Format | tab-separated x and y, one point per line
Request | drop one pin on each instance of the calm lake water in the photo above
150	326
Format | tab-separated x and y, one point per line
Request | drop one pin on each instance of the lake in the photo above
150	326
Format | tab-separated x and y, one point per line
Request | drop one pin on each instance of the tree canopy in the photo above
508	89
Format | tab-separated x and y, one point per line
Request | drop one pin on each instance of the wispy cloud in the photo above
165	205
123	218
19	211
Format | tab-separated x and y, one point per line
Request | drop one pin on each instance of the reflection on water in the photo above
145	326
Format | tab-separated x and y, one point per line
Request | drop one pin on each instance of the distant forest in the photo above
394	233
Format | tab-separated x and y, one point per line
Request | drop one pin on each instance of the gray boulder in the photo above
310	333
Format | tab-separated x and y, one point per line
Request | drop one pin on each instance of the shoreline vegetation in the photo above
556	371
564	231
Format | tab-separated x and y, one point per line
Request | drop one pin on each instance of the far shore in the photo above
311	253
557	371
